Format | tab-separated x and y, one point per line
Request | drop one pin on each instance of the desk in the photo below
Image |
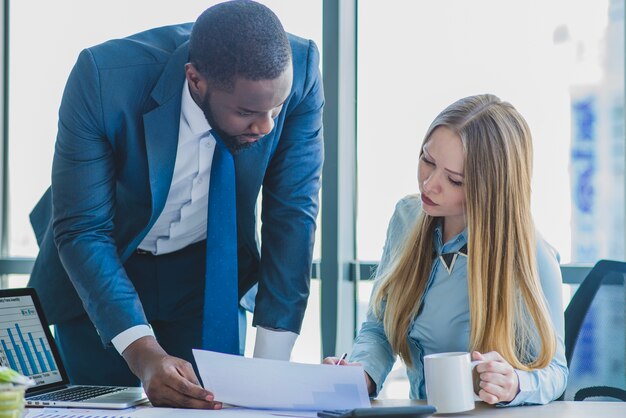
552	410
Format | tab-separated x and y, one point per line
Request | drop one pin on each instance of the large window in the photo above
559	62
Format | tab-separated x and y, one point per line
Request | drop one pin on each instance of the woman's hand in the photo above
334	360
498	380
371	387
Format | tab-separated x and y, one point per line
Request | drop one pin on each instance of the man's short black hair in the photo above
239	38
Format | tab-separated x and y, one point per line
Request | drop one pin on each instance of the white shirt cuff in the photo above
274	344
125	338
526	388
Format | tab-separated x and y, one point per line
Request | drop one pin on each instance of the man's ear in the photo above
198	84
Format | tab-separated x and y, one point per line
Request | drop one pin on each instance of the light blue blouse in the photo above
443	323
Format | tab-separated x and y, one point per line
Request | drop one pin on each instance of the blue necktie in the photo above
221	300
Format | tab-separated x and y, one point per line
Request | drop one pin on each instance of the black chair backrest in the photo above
604	272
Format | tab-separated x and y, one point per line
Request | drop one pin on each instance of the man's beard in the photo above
230	141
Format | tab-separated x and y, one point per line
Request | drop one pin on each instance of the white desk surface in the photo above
555	409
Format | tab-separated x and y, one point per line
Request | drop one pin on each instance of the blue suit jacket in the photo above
113	165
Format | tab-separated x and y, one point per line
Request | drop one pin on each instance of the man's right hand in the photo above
167	380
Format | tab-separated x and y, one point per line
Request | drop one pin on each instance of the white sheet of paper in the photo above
274	384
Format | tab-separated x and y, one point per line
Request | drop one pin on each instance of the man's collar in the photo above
192	113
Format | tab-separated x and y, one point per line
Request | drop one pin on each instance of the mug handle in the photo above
474	364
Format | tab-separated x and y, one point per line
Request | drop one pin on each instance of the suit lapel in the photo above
161	127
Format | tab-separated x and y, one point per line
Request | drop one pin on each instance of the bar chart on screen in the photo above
23	345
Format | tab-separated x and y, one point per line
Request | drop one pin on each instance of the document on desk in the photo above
273	384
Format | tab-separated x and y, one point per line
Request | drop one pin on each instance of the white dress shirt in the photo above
184	219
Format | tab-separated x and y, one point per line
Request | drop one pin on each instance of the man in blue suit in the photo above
130	263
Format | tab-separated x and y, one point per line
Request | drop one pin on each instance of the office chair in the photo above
604	272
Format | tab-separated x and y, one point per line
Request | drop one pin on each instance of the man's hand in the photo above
167	380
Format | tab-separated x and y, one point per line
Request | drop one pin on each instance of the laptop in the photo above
27	346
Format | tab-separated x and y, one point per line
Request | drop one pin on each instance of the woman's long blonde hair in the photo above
508	312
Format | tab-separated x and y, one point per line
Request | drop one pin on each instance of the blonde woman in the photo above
464	270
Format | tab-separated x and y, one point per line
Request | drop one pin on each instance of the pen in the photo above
343	357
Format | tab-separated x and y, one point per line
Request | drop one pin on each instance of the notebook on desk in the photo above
26	345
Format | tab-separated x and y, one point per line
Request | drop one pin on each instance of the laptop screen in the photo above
25	338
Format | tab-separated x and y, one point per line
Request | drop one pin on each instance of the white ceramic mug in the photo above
449	385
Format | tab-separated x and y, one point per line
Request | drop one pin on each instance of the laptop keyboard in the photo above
76	393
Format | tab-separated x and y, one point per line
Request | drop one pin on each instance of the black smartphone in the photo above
415	411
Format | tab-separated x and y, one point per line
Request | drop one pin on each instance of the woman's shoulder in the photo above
548	263
402	222
407	210
545	251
